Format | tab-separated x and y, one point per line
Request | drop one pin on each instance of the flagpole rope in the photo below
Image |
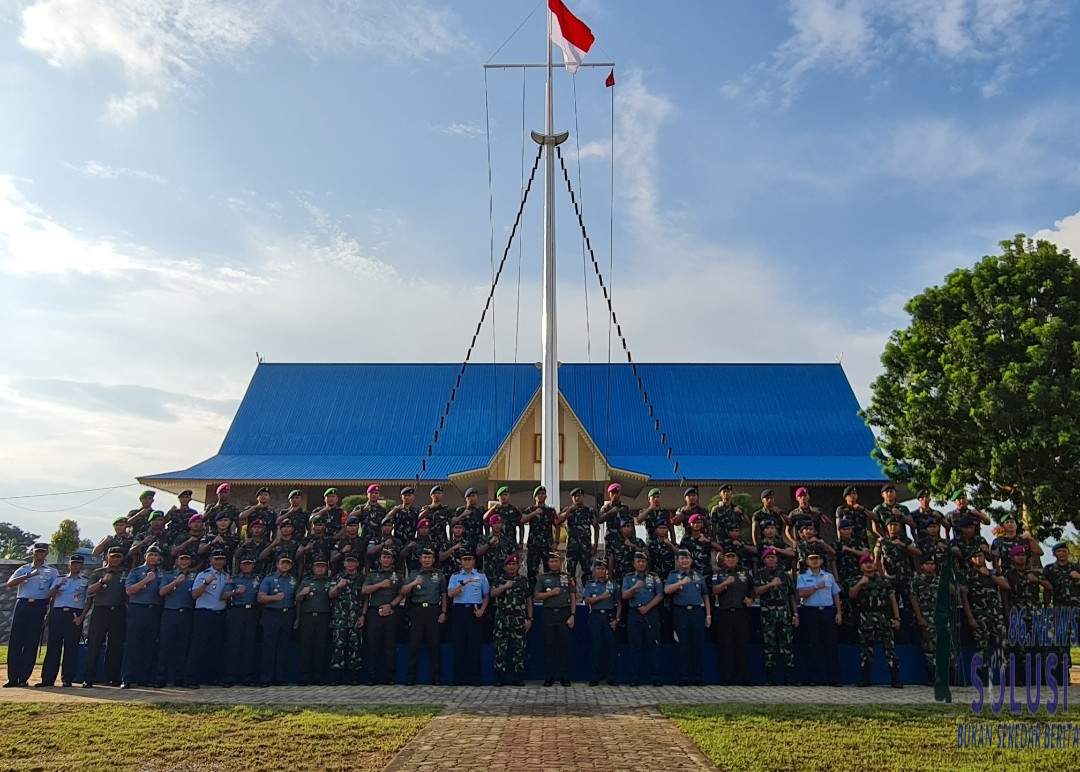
491	260
476	333
517	29
520	242
669	452
611	247
581	195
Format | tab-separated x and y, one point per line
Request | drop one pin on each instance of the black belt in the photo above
604	610
35	600
688	606
66	608
180	610
424	605
467	605
211	610
110	608
282	610
246	605
315	613
732	608
144	605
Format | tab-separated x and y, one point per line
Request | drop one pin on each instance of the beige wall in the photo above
516	460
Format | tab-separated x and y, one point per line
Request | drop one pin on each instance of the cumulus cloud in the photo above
1065	233
165	45
860	35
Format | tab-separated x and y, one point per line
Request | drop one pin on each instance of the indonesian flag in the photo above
570	34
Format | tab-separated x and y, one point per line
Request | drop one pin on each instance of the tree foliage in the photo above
15	542
65	540
982	389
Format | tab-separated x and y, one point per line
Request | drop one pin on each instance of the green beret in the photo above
959	493
537	490
120	520
1006	517
654	491
502	489
144	494
330	492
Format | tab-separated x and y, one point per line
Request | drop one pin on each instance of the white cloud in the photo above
457	129
858	35
163	45
1065	233
103	171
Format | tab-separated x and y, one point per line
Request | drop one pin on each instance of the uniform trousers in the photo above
817	627
556	642
424	631
207	643
175	640
642	643
732	637
466	632
381	632
108	624
25	637
63	641
602	643
241	632
314	640
690	629
277	625
140	655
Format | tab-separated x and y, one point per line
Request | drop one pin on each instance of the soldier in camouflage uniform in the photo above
661	550
848	551
495	548
621	551
924	592
653	514
470	516
894	553
139	519
984	612
775	591
1062	578
855	513
732	541
513	620
510	516
581	533
540	518
438	514
692	507
698	544
809	544
347	541
613	512
967	541
371	514
999	549
283	545
879	617
725	516
347	622
770	537
318	543
426	539
887	510
120	538
1024	598
931	543
925	515
405	515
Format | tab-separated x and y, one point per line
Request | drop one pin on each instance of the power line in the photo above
67	493
61	509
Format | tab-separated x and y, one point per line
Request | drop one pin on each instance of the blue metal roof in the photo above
374	421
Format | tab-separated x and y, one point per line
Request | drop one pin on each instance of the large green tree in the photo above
14	541
66	539
982	388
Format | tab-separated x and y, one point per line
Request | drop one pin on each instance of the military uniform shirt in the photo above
386	594
38	586
734	594
700	552
181	596
250	583
875	595
72	592
112	592
549	580
661	557
692	594
474	592
215	586
821	598
650	589
149	594
593	589
318	601
579	523
431	587
923	517
279	583
1066	590
724	518
777	596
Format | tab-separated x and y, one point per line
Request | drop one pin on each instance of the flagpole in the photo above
549	399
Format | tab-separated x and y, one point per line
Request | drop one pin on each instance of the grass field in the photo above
844	738
4	650
167	737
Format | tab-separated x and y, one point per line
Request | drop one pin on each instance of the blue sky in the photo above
186	182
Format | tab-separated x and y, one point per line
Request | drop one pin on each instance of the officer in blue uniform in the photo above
686	587
468	591
143	620
277	596
601	595
208	623
242	622
177	612
643	593
33	581
65	625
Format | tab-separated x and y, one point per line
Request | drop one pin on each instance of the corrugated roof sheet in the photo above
374	421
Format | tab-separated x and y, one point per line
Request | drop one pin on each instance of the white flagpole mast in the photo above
549	395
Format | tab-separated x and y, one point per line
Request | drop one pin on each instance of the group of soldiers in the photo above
189	599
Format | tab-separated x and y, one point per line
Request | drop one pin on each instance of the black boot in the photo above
894	671
866	674
770	679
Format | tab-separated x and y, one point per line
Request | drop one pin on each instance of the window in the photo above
536	448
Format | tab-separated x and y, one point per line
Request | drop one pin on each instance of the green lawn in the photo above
166	737
845	738
4	650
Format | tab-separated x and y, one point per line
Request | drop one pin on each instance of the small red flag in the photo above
610	80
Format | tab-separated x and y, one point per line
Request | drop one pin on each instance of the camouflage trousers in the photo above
578	556
509	642
990	636
536	560
929	646
777	635
874	626
346	651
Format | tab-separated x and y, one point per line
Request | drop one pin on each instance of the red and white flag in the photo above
570	34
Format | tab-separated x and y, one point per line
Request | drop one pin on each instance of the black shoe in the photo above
683	682
66	684
411	682
10	684
43	685
657	683
612	683
518	683
264	686
191	686
125	685
549	682
88	684
699	682
436	682
894	671
865	675
594	683
226	685
157	685
567	683
635	683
